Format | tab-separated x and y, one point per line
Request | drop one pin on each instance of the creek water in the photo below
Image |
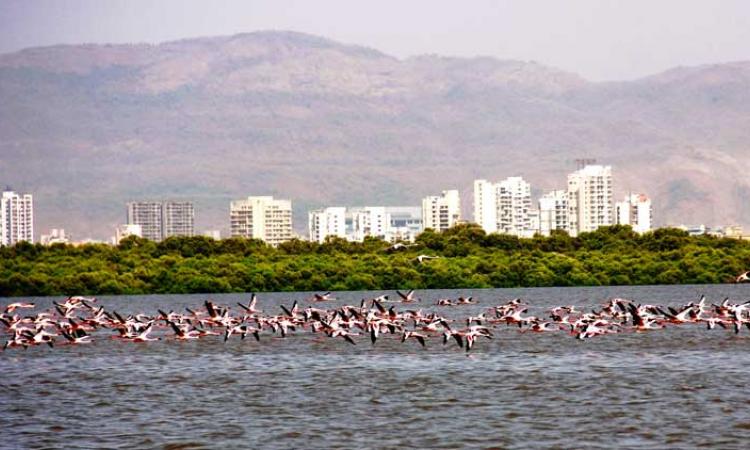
681	387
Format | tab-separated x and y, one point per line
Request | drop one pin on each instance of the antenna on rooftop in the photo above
583	162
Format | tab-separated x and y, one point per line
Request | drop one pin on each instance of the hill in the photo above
88	127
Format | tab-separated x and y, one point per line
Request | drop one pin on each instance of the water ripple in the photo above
678	388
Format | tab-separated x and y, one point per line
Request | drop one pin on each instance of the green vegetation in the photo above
469	259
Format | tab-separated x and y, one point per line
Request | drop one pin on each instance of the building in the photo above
213	234
589	199
126	230
16	218
55	236
160	220
391	223
149	216
367	221
261	218
534	222
504	207
485	205
179	219
514	207
635	211
441	212
405	223
327	222
694	230
553	212
88	241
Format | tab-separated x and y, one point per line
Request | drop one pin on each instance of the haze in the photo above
600	40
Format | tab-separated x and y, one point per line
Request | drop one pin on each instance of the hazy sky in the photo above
599	39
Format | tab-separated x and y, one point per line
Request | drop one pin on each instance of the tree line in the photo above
468	258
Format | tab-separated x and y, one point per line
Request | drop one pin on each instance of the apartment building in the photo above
16	218
589	199
441	212
635	210
162	219
327	222
261	217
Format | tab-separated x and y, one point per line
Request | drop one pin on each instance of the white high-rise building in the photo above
160	220
441	212
485	205
635	211
514	207
149	215
179	219
553	212
262	218
327	222
504	207
589	199
369	221
16	218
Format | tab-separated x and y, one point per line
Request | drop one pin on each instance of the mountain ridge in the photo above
323	123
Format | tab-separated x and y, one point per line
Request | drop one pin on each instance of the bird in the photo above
77	337
322	297
408	297
143	335
399	246
185	333
422	258
77	322
13	306
414	335
250	308
465	301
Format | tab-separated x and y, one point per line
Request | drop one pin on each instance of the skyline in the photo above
152	213
600	40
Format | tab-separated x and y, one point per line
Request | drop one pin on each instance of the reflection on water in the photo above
681	387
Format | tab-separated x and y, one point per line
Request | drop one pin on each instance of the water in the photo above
684	387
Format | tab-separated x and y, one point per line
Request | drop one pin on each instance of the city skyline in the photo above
509	202
544	214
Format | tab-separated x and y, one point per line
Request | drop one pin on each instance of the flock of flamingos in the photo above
77	320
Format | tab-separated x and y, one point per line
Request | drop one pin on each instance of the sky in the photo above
598	39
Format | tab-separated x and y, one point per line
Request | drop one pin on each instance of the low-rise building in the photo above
405	223
213	234
126	230
55	236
